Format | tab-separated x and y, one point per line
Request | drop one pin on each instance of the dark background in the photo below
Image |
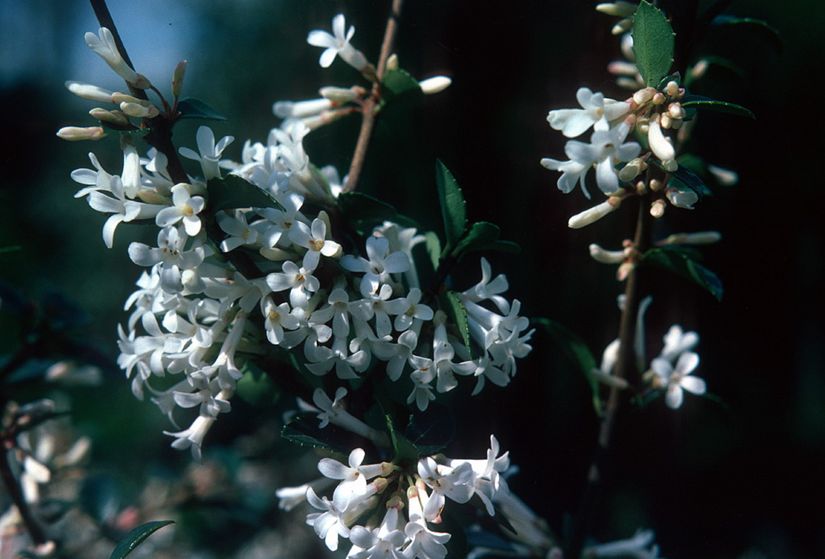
739	479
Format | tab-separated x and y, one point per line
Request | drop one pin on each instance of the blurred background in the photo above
740	478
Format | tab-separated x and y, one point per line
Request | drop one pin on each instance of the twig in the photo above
624	369
34	529
371	104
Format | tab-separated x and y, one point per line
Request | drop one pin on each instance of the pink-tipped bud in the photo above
644	95
392	62
90	92
655	185
623	26
672	88
136	110
177	78
77	133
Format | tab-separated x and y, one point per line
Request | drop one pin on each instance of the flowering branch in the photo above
369	107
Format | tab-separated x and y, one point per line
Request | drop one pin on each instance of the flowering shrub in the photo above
267	263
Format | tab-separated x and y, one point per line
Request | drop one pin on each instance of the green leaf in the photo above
431	430
405	451
483	235
233	192
577	352
453	206
683	178
433	245
653	43
189	107
758	25
699	102
458	314
681	263
674	77
136	537
357	206
398	82
303	430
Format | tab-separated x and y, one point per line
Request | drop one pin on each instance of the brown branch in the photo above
624	369
370	106
34	529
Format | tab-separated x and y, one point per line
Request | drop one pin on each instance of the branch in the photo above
34	529
624	369
371	104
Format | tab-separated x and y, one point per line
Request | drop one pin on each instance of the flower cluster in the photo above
227	285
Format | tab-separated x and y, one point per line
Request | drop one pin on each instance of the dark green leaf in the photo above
653	43
303	430
357	206
431	430
458	314
758	25
674	77
453	206
699	102
483	235
189	107
405	451
132	135
715	61
136	537
680	263
683	178
397	82
233	192
577	352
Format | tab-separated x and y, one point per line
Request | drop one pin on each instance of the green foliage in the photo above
684	179
303	430
404	451
136	537
433	245
683	263
700	102
697	166
653	43
453	206
458	314
577	352
399	82
431	431
189	107
232	192
762	27
484	235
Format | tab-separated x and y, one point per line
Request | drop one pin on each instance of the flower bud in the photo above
658	99
698	238
682	198
726	177
659	145
177	78
655	185
139	110
76	133
665	121
624	270
606	256
627	83
631	170
340	95
670	165
622	68
301	109
623	26
675	110
116	118
436	84
594	214
392	62
698	70
617	9
644	95
657	208
90	92
672	88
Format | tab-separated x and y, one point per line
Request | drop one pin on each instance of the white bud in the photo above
177	78
76	133
659	145
139	110
606	256
644	95
672	88
90	92
340	95
726	177
682	198
436	84
592	215
301	109
657	208
392	62
112	117
617	9
698	70
698	238
623	26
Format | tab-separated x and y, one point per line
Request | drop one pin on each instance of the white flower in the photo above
455	483
592	215
209	153
337	45
186	208
194	435
380	262
659	144
353	477
605	150
329	524
596	111
677	378
301	109
313	238
104	45
299	281
276	318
